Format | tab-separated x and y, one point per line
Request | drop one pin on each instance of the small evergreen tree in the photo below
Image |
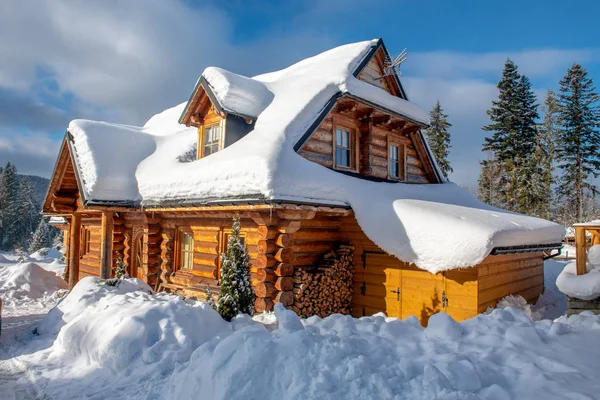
236	295
41	238
438	138
121	271
579	140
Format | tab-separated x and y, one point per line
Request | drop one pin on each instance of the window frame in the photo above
352	128
178	259
223	239
401	159
202	145
85	239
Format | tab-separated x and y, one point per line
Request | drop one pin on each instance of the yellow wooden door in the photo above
377	286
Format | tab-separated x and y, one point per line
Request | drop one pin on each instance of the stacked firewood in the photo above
327	288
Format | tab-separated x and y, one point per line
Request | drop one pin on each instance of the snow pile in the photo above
125	343
119	326
501	356
238	94
586	286
46	255
27	281
437	227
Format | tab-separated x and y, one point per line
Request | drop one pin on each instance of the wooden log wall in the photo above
209	230
89	262
373	148
520	274
327	288
152	250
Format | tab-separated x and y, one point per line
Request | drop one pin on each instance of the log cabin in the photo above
343	208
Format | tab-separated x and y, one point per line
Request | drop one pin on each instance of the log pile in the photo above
326	289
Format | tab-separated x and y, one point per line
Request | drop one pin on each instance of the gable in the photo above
373	133
373	70
63	191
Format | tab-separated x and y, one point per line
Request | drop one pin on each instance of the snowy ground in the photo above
104	342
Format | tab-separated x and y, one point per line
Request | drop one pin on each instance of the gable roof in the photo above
437	227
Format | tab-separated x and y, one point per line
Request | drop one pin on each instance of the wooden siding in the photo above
519	274
373	71
378	274
372	152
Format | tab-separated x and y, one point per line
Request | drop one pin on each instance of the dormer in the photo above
224	107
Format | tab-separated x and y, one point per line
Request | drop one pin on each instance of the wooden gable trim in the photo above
380	53
55	201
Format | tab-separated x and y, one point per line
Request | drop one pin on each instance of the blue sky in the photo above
125	61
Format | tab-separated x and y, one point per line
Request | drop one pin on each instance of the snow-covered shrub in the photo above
236	295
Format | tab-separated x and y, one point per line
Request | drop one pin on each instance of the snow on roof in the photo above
437	227
236	93
593	223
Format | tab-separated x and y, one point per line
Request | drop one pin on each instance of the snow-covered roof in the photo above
437	227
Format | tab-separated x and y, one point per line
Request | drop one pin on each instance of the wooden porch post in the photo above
580	248
107	245
74	239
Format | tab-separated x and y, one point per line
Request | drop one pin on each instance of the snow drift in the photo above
437	227
27	281
586	286
123	342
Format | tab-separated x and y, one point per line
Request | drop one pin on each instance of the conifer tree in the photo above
8	196
513	123
41	238
236	295
438	138
578	141
24	214
490	181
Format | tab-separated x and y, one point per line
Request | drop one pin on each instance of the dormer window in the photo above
212	140
396	161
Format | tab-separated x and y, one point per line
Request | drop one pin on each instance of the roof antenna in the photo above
393	65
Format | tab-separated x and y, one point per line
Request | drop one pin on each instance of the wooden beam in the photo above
580	250
106	249
74	233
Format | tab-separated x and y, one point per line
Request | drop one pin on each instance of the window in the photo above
396	161
186	249
86	238
343	148
212	138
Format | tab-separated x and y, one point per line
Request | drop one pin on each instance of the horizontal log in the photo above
263	304
285	298
207	236
265	275
306	259
323	159
206	259
206	247
311	247
204	271
266	232
284	283
288	226
317	235
284	269
265	261
296	214
316	146
265	289
284	254
283	240
323	134
266	246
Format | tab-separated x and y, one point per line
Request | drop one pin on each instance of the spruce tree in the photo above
578	141
41	238
8	197
546	153
512	143
236	295
25	216
438	138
